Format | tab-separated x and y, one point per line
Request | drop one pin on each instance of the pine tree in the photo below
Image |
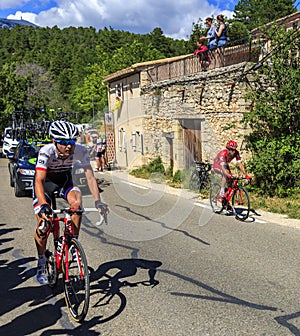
254	13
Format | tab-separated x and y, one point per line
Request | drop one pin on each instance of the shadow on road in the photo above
111	286
13	296
164	225
38	307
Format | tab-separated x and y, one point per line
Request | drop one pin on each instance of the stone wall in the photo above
215	97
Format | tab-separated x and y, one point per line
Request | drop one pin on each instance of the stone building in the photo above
173	109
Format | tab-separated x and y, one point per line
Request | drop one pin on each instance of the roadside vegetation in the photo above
289	205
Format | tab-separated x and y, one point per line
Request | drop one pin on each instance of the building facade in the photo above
173	109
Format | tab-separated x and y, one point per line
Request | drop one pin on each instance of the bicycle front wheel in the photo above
76	280
241	204
215	198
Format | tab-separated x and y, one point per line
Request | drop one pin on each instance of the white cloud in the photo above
175	18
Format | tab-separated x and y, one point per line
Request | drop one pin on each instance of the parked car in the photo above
21	168
9	144
78	175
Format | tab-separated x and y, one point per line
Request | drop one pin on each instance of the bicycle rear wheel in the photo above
215	198
241	204
76	281
51	261
194	181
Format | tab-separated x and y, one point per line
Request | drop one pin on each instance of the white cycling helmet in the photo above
60	130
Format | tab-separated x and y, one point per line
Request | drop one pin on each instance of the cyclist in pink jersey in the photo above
222	160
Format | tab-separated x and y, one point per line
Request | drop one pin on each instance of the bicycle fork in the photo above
239	197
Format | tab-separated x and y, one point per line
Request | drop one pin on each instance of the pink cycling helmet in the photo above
231	144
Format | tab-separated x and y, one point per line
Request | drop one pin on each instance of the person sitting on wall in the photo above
202	52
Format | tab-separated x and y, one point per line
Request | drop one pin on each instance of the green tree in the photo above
254	13
275	117
198	30
12	93
91	96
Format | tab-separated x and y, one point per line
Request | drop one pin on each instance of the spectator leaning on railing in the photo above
210	35
221	31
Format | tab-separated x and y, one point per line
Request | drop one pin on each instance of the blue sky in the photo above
175	18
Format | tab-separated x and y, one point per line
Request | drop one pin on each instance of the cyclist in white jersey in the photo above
53	173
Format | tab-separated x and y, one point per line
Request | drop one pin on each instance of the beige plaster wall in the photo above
158	109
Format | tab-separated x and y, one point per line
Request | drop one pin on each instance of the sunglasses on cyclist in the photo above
66	142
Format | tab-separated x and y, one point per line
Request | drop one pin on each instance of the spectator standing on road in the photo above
100	148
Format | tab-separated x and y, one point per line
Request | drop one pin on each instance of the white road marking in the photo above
202	205
135	185
90	209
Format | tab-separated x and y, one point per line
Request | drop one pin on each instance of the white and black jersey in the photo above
51	162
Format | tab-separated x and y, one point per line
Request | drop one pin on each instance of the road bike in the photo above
65	255
236	199
200	176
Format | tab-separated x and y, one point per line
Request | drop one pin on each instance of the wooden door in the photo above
192	141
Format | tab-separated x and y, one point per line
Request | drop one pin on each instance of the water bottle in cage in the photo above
58	245
69	228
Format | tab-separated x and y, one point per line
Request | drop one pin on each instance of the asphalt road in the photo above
216	276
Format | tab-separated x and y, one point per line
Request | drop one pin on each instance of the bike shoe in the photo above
42	274
229	208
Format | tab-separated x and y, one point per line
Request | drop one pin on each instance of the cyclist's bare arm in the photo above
242	168
92	183
40	177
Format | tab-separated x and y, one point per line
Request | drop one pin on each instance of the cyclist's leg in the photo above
40	242
218	170
224	179
40	235
74	198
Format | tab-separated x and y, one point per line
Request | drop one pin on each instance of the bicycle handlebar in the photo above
68	210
